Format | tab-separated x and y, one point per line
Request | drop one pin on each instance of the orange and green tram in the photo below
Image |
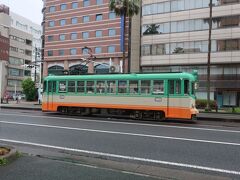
154	96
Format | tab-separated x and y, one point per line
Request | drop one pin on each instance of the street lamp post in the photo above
209	56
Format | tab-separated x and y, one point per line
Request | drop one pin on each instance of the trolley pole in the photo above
209	56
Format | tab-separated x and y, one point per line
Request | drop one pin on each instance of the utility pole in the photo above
35	68
209	56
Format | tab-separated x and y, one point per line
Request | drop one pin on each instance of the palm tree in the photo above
124	8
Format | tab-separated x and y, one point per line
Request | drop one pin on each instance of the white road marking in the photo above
124	157
123	133
124	123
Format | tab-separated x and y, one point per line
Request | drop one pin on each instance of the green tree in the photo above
29	89
124	8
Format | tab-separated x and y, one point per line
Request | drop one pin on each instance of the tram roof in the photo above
133	76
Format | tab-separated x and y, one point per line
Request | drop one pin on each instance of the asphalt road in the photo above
203	148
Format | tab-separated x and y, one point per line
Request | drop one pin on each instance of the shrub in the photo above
202	104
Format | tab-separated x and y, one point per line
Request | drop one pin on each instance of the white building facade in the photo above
26	25
175	38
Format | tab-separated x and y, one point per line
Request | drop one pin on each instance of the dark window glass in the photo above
90	87
171	87
100	87
186	87
145	87
158	87
178	87
49	86
85	35
71	86
54	88
50	38
50	53
133	87
61	52
111	87
80	86
62	86
122	87
111	32
44	86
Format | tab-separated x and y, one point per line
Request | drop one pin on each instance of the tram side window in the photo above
122	87
90	87
54	88
133	87
71	86
80	86
44	86
158	87
49	86
62	86
178	87
145	87
100	87
186	87
111	87
171	87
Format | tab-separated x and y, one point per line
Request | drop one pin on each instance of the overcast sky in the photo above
30	9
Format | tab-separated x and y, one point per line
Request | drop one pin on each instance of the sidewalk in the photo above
22	105
214	116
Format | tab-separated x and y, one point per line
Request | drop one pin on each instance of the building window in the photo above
51	23
63	7
74	5
86	3
74	20
85	19
85	51
111	32
111	49
62	37
99	2
50	53
73	51
99	33
85	35
98	17
73	36
62	22
98	50
52	9
112	15
50	38
61	52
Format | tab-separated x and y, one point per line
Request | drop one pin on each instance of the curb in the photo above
11	156
22	108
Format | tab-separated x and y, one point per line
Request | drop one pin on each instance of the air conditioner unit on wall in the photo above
114	69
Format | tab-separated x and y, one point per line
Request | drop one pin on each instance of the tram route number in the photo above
62	97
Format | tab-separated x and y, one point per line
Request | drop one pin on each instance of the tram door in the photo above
51	90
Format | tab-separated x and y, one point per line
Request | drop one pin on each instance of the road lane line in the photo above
124	123
122	133
124	157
